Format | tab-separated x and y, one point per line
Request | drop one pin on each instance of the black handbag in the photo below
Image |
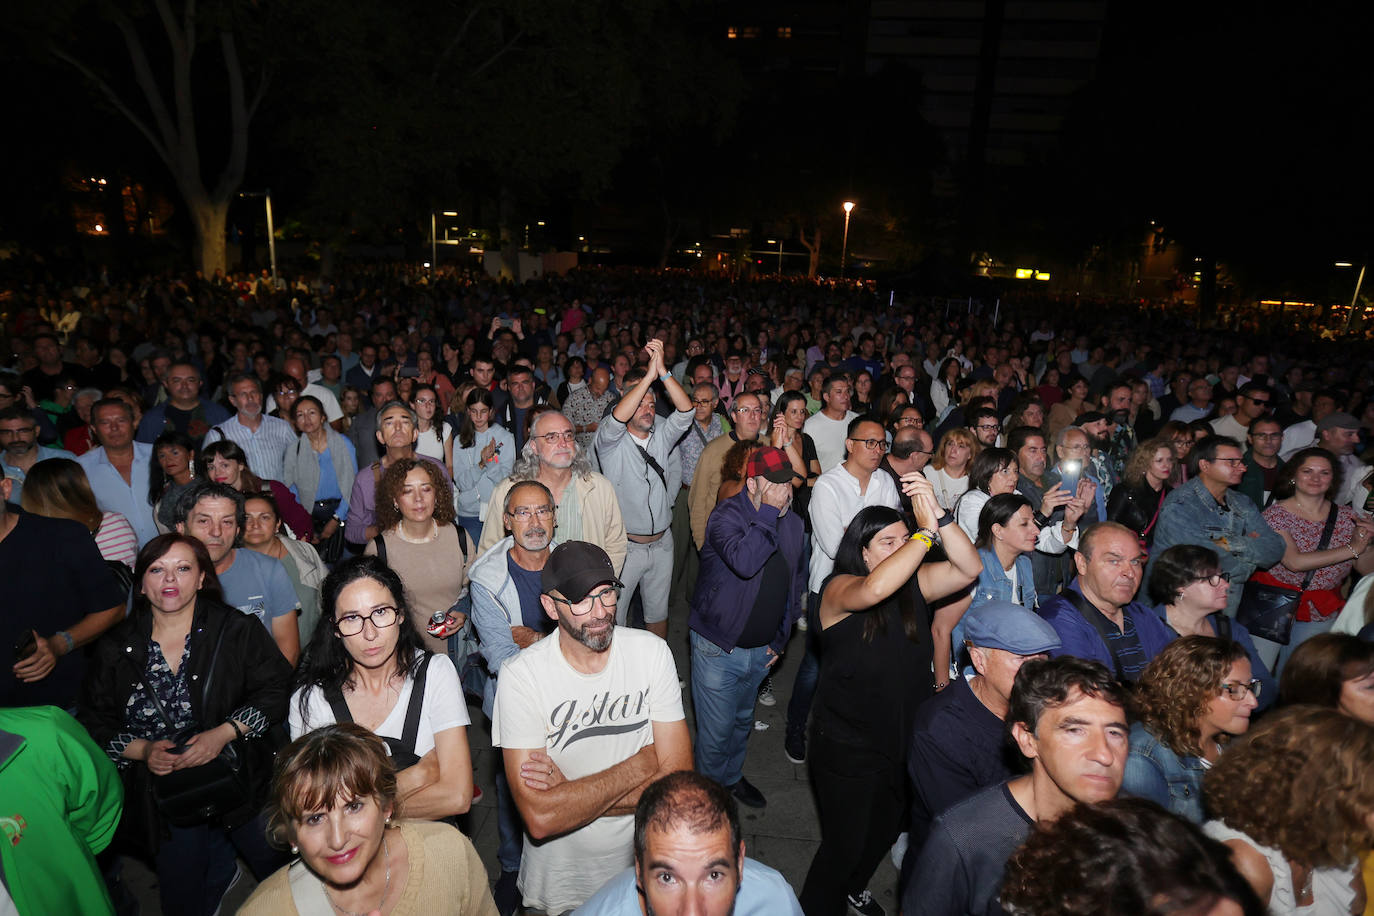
187	798
1268	611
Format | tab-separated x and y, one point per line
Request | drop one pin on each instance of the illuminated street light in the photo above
844	247
266	194
1355	299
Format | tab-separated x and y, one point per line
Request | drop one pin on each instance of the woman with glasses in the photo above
421	539
367	664
481	455
1191	700
1190	591
284	395
1180	441
1301	508
184	677
432	430
992	473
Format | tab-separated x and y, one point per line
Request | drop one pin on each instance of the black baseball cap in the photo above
575	568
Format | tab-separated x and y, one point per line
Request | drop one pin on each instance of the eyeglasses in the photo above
523	513
1214	579
556	437
1266	435
988	426
608	597
1231	461
757	410
1073	448
1259	403
872	444
381	617
702	402
1237	690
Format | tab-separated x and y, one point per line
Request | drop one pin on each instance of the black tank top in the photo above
868	691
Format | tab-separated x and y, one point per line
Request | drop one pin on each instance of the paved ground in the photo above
784	835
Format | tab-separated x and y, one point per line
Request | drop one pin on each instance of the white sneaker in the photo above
766	697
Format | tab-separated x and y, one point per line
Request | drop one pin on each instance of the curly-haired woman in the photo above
1294	801
1193	697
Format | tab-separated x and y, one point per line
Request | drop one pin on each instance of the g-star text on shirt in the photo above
604	715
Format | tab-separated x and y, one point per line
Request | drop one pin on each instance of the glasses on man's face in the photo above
523	513
1214	579
608	597
1234	462
1266	435
750	410
872	444
1258	403
989	427
555	438
702	402
381	617
1237	690
1074	449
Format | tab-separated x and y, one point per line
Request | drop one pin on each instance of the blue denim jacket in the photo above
1239	534
995	585
1155	772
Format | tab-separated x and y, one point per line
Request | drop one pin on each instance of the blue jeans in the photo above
510	827
1303	630
473	526
724	687
808	672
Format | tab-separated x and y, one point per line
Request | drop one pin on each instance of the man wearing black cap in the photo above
586	719
1339	433
748	595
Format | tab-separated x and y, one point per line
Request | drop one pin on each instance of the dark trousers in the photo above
195	866
861	799
808	672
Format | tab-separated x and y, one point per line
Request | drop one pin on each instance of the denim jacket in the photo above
995	585
1238	533
1155	772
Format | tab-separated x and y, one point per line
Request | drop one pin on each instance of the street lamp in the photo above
266	194
778	242
844	247
1354	300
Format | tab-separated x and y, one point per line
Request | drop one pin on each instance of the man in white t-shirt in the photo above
586	719
829	426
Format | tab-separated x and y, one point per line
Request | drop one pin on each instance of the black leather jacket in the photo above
1135	505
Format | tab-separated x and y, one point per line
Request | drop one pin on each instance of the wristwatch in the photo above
945	519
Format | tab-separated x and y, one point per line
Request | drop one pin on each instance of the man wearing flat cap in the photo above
749	594
959	743
586	718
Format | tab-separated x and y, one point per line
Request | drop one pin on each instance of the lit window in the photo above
784	31
749	31
731	32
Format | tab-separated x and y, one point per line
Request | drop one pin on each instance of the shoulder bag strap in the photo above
658	468
1325	542
380	541
462	541
411	733
1223	626
210	672
1100	623
337	705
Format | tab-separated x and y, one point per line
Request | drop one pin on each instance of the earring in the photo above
295	850
396	507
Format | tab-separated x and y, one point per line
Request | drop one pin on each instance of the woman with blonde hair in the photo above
1294	801
59	488
1135	502
1192	699
948	471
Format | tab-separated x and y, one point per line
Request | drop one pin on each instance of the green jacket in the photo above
60	802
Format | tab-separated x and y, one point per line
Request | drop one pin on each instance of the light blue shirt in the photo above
264	447
257	584
112	494
762	892
18	476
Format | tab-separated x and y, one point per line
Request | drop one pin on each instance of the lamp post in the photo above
266	194
1354	300
844	246
778	242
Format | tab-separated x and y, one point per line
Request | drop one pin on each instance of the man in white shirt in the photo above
829	426
263	439
586	719
295	367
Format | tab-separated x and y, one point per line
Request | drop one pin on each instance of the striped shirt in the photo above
116	539
264	447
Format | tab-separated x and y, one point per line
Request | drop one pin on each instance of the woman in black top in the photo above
216	677
1136	501
876	652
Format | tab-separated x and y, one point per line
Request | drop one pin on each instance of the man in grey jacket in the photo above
505	588
638	455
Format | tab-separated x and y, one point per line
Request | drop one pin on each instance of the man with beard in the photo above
19	448
1051	563
397	432
1098	427
505	587
638	454
689	858
747	416
586	719
263	439
586	502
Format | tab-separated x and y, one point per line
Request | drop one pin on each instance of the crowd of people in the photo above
1069	585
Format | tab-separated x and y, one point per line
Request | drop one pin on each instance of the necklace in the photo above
433	533
385	889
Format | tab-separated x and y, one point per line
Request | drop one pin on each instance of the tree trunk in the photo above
813	250
208	217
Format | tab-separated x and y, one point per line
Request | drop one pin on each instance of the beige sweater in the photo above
602	524
434	575
445	878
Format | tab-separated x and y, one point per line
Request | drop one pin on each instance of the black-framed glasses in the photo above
523	513
989	426
1214	579
381	617
1230	461
608	597
872	444
1236	690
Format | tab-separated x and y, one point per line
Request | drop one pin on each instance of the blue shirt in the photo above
263	446
762	892
257	584
112	494
329	484
527	583
18	476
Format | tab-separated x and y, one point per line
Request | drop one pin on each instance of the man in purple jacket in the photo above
748	596
1097	616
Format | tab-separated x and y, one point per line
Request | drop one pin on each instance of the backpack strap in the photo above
380	541
462	541
337	705
411	732
1100	623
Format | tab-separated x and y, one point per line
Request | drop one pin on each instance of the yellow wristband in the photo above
923	538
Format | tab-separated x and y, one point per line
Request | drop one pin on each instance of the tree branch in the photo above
448	49
239	117
113	98
501	52
182	40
